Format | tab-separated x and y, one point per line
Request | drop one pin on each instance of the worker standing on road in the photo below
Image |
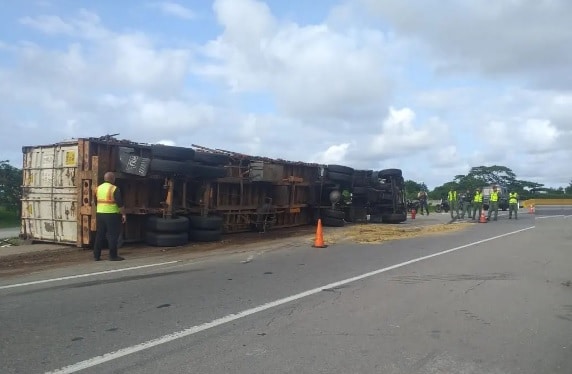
110	215
422	197
453	203
477	203
466	200
513	205
494	204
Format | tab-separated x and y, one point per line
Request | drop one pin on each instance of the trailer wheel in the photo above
206	171
331	213
339	177
157	239
333	222
391	173
394	218
359	190
341	169
205	222
211	158
170	225
172	153
169	167
205	235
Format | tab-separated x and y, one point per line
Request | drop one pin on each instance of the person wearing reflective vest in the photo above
453	203
110	214
494	204
477	203
513	205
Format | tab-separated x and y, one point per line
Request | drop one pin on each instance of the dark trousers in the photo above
108	225
423	204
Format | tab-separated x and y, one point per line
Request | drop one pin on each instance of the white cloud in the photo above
335	154
311	71
401	136
347	89
174	9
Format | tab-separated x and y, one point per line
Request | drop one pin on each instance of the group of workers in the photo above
469	204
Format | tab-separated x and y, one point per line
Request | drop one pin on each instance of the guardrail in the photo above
535	202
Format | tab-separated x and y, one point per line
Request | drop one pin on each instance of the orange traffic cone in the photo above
483	219
319	241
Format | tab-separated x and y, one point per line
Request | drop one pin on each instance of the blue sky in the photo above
364	83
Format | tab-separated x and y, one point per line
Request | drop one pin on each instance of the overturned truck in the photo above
174	195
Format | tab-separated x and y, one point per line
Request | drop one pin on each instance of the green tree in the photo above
568	189
10	182
412	188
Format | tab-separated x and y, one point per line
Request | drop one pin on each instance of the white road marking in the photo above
85	275
233	317
554	216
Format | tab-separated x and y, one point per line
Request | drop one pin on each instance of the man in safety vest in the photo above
494	203
513	205
453	203
109	217
477	203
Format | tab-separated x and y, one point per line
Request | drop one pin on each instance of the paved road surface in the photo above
542	211
9	232
497	306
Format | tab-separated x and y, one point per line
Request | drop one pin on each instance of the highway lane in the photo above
52	325
11	232
542	211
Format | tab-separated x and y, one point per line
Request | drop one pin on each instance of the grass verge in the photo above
8	219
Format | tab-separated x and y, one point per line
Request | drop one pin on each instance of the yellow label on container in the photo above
70	158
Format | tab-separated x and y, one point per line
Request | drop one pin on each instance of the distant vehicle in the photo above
443	206
503	198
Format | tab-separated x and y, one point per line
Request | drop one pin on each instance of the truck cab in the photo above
503	198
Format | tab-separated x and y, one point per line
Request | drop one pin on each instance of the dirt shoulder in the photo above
22	259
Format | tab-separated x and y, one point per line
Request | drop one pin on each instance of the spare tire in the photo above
166	240
391	173
206	171
205	222
340	169
168	152
160	166
339	177
175	224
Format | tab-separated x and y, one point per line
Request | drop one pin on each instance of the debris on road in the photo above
369	234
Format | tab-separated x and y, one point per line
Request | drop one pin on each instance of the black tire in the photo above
331	213
205	222
169	167
170	225
339	177
206	171
438	208
359	190
211	158
157	239
341	169
394	218
333	222
391	173
205	235
172	153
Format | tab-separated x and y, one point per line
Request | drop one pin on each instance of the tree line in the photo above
10	190
482	176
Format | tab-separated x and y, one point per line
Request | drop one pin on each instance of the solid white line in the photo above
85	275
554	216
233	317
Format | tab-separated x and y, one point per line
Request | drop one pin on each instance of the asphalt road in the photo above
542	211
500	301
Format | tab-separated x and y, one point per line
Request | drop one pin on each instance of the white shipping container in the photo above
49	193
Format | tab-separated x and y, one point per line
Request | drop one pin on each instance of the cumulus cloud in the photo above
413	91
311	71
516	39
